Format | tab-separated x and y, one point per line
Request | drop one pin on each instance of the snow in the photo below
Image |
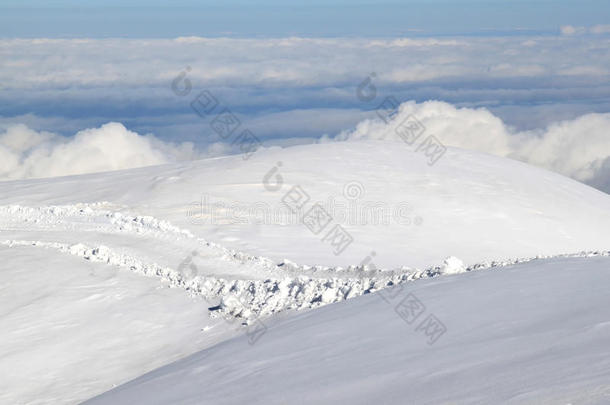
452	265
72	328
431	212
530	333
108	276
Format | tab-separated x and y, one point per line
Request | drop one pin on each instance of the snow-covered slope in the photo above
470	205
534	333
72	328
85	244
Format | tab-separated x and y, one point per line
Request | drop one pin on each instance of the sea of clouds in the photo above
578	148
66	104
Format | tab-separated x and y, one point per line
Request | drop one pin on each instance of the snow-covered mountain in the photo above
535	333
227	233
470	205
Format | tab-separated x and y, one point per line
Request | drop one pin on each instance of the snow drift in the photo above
470	205
102	249
532	333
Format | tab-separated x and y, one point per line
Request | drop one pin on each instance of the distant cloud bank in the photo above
545	98
296	62
578	148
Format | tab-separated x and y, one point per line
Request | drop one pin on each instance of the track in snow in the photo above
258	286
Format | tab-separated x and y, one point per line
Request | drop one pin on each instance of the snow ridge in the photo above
299	287
257	297
247	299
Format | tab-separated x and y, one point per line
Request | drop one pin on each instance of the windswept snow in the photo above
470	205
534	333
145	230
276	287
72	328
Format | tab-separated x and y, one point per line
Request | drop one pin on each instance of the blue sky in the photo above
273	18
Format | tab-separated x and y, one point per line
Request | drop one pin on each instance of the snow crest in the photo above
299	286
248	299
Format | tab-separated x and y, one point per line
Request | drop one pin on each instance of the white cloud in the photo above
304	62
128	80
317	79
578	148
25	153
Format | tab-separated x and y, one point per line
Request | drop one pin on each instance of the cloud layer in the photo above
295	62
540	94
578	148
296	88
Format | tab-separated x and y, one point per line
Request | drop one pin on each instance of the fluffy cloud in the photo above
64	85
578	148
79	83
25	153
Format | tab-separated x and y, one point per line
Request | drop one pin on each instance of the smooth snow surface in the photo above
470	205
534	333
108	276
71	328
